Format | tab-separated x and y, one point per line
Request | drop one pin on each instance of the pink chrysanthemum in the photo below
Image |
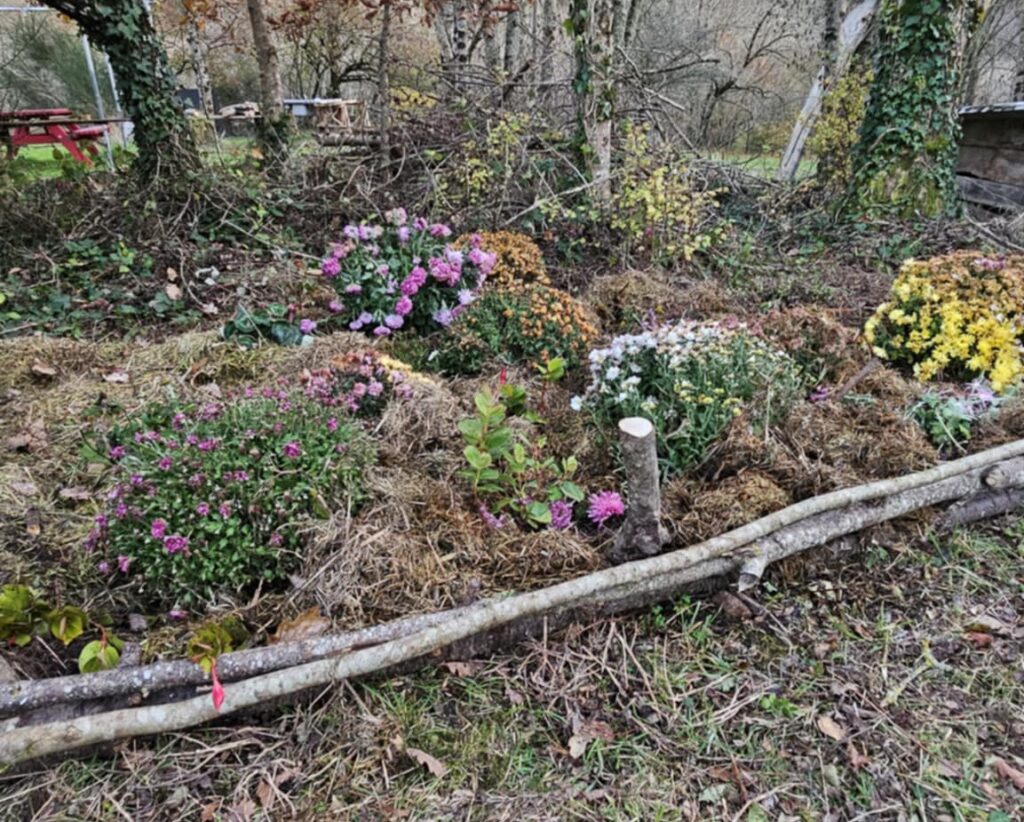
603	506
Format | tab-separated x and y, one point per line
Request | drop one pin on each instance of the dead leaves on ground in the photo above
310	623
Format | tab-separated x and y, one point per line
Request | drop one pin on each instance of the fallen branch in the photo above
775	536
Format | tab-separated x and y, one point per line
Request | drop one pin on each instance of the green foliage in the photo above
271	324
212	500
213	638
23	615
836	130
690	380
94	287
906	157
947	417
507	468
522	323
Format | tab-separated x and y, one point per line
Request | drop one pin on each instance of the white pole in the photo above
100	110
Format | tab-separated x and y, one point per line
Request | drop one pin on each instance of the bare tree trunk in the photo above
547	50
460	45
197	57
513	35
273	123
383	82
852	32
643	534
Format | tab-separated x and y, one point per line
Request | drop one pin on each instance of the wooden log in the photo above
642	534
777	535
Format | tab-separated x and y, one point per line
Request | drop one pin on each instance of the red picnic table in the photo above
56	126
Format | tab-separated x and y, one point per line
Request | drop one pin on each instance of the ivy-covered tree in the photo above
906	157
124	30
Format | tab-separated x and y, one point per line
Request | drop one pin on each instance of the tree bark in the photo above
197	57
643	533
383	81
124	30
783	533
273	121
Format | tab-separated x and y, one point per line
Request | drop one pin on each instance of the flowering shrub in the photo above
361	382
211	499
958	316
403	275
690	380
657	209
518	259
524	322
510	471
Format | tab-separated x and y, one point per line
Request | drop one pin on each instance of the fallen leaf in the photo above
306	625
585	733
137	623
435	766
1007	771
828	726
172	291
41	369
948	770
987	625
732	606
514	696
33	522
265	793
242	812
463	668
716	793
76	493
172	275
209	308
26	489
209	811
32	438
978	639
857	759
116	376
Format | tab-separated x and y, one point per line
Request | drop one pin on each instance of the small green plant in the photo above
947	417
509	470
272	324
24	615
211	500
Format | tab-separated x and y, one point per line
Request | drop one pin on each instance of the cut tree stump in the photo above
642	534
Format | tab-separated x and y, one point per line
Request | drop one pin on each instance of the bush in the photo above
519	259
531	323
211	500
690	380
403	276
954	317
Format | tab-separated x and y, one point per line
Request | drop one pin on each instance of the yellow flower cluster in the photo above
957	316
519	258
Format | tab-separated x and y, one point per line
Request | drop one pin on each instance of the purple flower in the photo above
307	326
330	267
121	511
444	316
203	509
292	449
165	464
211	411
336	306
178	421
136	480
241	476
561	515
403	234
177	614
158	528
191	439
224	509
103	567
454	257
404	306
351	231
196	480
381	331
383	270
276	539
101	521
440	230
123	562
419	224
175	543
496	523
359	390
395	321
819	394
466	297
396	216
332	424
375	388
353	288
414	282
603	506
208	445
365	232
118	452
